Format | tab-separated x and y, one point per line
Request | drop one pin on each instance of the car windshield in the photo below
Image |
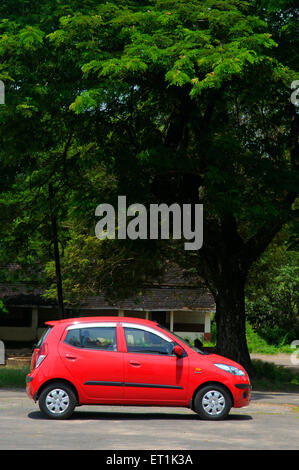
185	341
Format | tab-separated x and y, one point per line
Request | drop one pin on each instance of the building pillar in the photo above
34	321
121	313
171	320
147	315
207	331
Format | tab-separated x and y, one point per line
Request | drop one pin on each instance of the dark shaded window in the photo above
73	338
101	338
46	314
16	316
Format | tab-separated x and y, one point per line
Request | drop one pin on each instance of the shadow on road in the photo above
134	416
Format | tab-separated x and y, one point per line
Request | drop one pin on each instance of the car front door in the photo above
91	355
153	374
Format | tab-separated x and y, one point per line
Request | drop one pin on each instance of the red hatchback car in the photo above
130	361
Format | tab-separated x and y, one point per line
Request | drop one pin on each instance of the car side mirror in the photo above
178	351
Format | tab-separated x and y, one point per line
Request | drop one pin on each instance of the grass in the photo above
257	344
13	376
273	377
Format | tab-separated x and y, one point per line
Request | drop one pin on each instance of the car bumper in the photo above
242	394
31	388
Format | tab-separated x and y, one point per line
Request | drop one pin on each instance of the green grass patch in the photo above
13	376
256	344
272	377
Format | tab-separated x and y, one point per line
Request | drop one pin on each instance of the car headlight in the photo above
231	369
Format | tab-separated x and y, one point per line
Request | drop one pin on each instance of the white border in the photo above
81	325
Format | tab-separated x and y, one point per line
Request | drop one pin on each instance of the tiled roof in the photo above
175	292
157	299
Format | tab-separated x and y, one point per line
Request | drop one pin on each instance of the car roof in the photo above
70	321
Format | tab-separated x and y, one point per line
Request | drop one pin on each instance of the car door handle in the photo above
135	363
71	358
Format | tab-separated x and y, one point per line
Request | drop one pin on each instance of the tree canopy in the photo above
163	101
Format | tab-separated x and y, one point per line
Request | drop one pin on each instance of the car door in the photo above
153	374
91	355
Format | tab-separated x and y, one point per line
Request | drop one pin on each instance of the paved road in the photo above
269	422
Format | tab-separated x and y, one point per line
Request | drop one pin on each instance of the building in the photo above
178	302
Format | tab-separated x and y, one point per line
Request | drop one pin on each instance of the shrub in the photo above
13	376
270	376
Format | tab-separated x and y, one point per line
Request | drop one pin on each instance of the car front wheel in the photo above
212	402
57	401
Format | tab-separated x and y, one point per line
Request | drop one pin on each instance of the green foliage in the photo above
13	376
31	37
2	307
117	272
269	376
259	343
272	293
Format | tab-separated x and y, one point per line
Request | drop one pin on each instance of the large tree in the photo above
198	99
40	156
185	101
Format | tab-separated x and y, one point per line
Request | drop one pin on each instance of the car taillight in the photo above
33	358
40	356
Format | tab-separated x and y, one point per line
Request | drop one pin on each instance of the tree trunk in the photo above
56	257
230	320
57	269
224	266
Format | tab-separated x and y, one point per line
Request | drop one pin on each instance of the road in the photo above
270	422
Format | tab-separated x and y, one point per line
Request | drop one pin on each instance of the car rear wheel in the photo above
57	401
212	402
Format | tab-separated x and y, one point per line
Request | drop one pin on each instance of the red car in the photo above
129	361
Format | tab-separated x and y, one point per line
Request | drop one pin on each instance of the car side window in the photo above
73	338
142	341
100	338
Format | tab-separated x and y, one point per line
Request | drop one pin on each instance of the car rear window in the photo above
102	338
43	337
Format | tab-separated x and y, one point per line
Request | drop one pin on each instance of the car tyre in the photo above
212	402
57	401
